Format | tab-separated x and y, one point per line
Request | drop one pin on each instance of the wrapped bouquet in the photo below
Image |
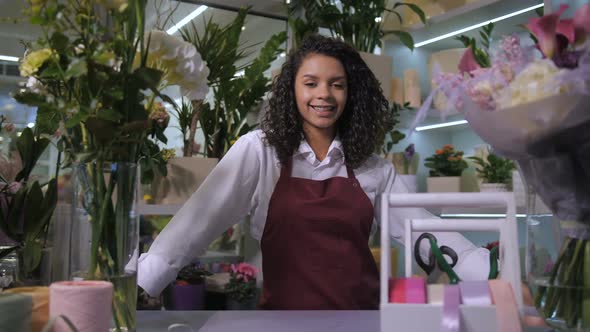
530	103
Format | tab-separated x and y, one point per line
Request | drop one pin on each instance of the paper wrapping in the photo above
550	140
412	88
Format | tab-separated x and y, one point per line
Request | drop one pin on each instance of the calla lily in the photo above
467	64
545	30
581	23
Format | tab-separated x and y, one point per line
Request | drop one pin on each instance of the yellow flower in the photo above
168	154
34	60
36	6
119	5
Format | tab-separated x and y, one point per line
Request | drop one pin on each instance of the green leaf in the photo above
75	119
414	8
109	115
31	255
76	68
33	206
15	213
59	42
147	78
404	37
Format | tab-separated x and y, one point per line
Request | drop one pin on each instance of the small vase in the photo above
249	304
104	238
443	184
13	273
493	187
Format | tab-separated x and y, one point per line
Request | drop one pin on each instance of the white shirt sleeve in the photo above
220	202
473	263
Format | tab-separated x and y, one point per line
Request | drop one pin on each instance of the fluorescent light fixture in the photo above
441	125
31	124
497	19
283	54
8	58
477	215
187	19
239	73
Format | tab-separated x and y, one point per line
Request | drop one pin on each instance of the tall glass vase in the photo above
557	259
105	233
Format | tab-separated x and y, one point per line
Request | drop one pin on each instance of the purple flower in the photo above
409	152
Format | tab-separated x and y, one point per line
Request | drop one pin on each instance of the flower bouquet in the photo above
241	288
531	107
96	76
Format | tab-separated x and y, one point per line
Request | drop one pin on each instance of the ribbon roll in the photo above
415	290
475	292
507	313
397	290
451	317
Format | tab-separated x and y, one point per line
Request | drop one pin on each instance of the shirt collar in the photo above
334	150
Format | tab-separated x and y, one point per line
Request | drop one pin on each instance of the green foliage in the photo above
495	169
446	162
481	55
240	290
193	274
395	136
234	97
352	20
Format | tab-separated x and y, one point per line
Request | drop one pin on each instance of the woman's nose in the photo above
324	91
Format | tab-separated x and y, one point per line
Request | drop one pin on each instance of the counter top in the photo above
255	321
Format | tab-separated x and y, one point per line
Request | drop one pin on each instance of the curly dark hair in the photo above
366	117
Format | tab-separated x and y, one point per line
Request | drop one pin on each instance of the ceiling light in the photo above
283	54
243	27
454	33
477	215
441	125
31	124
377	19
8	58
187	19
287	1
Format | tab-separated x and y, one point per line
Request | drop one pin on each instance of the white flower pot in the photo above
493	187
443	184
409	181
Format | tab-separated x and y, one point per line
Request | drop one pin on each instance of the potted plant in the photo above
406	166
446	166
495	171
26	207
237	90
187	292
241	289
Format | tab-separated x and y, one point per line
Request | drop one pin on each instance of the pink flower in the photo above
9	127
468	63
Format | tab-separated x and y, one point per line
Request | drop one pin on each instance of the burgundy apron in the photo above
315	252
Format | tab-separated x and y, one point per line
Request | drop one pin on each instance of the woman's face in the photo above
320	90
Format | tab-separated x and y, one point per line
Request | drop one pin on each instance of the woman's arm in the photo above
220	202
473	262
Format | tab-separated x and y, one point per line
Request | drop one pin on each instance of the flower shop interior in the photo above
241	46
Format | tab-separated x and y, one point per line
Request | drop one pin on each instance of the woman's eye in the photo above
309	84
338	85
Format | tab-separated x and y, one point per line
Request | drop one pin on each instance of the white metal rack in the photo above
427	317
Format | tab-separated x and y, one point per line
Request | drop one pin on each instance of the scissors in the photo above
436	263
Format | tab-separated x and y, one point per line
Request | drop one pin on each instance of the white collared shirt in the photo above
243	182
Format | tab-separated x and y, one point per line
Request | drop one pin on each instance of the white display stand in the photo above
427	317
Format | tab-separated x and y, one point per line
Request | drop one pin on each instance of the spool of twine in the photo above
86	303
